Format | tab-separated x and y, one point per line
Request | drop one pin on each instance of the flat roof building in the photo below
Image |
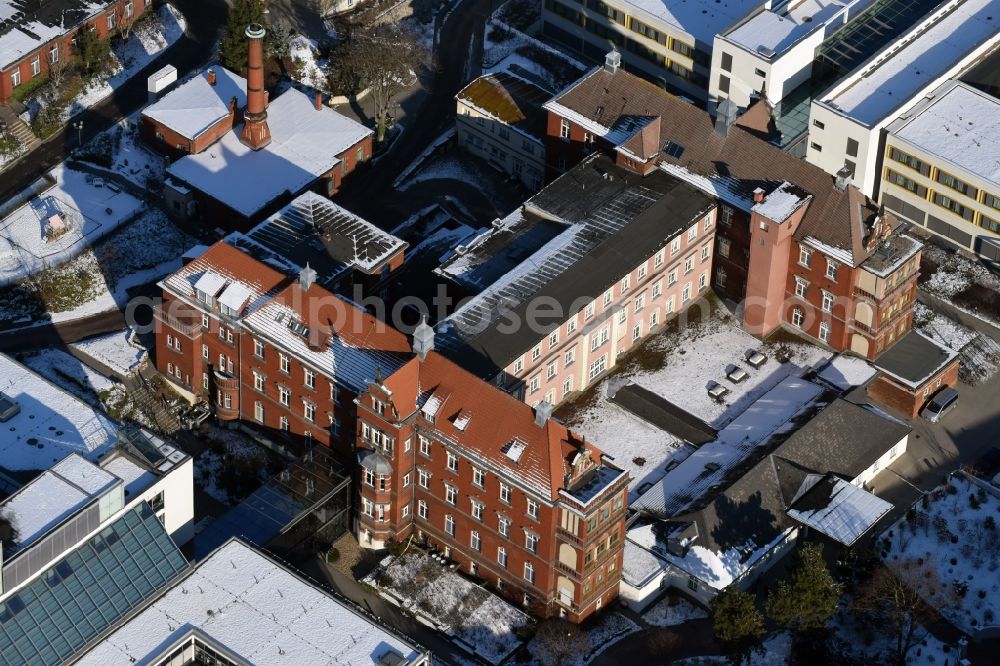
942	167
847	122
241	607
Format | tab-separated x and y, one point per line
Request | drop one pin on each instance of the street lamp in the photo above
78	125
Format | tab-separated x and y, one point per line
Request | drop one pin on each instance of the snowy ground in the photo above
865	644
979	354
670	611
122	146
98	280
7	159
686	361
477	617
458	166
116	350
506	49
956	537
87	210
304	53
941	329
142	47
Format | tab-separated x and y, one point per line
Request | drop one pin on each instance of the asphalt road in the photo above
458	58
204	20
49	335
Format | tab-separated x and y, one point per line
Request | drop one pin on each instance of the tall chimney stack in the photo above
211	77
255	134
319	101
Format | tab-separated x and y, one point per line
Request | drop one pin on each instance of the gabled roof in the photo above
727	165
305	144
509	99
612	220
488	423
197	105
314	230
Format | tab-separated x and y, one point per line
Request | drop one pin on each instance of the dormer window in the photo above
205	298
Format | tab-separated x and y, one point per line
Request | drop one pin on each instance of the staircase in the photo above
147	401
17	127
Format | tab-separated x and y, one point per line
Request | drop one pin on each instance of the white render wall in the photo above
177	487
500	152
884	460
781	75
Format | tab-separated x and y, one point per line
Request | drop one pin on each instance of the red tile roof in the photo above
493	420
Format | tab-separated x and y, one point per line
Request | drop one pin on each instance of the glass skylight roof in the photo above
88	590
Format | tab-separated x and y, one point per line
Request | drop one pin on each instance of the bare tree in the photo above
559	640
895	601
59	65
125	18
383	58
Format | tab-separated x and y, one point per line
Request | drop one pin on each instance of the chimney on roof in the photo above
307	277
612	61
256	133
423	338
843	179
232	104
725	116
543	412
758	195
319	101
210	75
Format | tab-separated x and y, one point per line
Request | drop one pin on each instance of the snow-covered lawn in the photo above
126	152
685	361
479	618
955	272
979	354
956	537
144	44
304	53
77	210
941	329
673	610
99	279
116	350
610	628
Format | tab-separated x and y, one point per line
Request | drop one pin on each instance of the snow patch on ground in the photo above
304	53
461	608
670	611
686	361
116	350
953	537
143	46
941	329
611	628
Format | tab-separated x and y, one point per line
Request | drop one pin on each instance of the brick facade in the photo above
453	488
36	63
908	401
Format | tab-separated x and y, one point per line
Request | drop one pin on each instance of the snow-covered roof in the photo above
52	497
235	296
210	283
305	144
709	465
846	372
51	424
782	202
960	125
314	230
258	610
897	73
700	19
196	105
27	26
839	510
770	33
136	477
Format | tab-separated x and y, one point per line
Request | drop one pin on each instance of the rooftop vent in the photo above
612	61
8	408
543	412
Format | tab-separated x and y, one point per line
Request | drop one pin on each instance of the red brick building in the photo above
504	490
37	34
833	267
278	352
912	372
241	156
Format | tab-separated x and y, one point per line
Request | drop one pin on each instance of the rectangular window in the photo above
597	367
474	541
478	477
852	148
258	349
831	270
504	527
569	357
309	378
36	66
477	510
827	302
422	509
529	572
285	363
502	556
909	160
309	411
954	206
815	146
531	542
571	326
801	287
824	331
706	251
960	186
564	129
505	493
726	62
423	478
452	462
15	78
908	184
425	446
284	395
450	494
449	524
724	83
805	256
532	509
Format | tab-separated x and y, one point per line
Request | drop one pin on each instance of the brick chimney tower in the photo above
255	134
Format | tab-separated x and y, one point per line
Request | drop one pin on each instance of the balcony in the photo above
225	381
568	536
189	329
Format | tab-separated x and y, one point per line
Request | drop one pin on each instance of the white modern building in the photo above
667	41
774	47
847	123
240	607
942	167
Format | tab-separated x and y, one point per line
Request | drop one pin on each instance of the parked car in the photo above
940	404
